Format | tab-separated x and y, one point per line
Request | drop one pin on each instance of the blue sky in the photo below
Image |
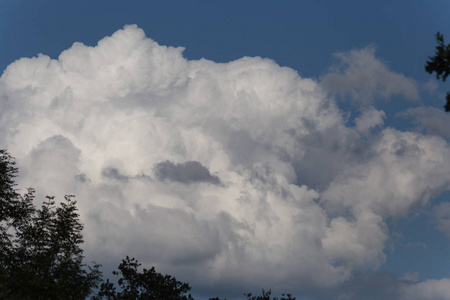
363	62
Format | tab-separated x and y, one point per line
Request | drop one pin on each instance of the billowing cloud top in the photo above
236	174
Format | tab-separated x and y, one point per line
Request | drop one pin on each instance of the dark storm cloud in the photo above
188	172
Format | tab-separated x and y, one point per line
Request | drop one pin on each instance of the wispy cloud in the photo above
429	289
442	214
369	119
429	119
364	78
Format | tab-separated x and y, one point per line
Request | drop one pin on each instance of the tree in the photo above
40	253
41	257
440	63
148	285
267	296
264	296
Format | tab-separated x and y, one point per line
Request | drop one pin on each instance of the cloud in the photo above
403	172
405	168
365	286
364	78
386	285
430	119
57	159
412	277
369	119
190	171
429	289
295	198
114	173
442	214
430	86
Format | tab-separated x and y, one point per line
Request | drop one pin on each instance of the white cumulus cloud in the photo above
210	170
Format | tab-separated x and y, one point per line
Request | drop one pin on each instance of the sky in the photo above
297	146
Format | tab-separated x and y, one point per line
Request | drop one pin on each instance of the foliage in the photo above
40	254
148	285
267	296
264	296
41	257
440	63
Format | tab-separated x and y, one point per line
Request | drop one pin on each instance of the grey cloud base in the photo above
188	172
257	178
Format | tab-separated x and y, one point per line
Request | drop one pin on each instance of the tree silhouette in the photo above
41	257
440	63
40	253
148	285
265	295
268	296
